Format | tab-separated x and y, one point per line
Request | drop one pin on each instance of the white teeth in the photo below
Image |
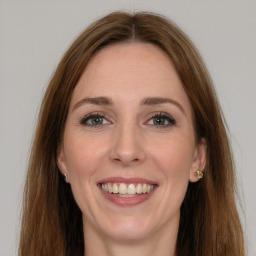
131	189
115	188
123	189
144	188
110	189
104	187
139	189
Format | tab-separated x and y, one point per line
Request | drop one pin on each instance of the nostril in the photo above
126	161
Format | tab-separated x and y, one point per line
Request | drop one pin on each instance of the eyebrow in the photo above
95	101
108	102
159	100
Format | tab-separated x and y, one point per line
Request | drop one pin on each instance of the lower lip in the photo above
127	201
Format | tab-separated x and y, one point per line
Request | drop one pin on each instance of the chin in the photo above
128	231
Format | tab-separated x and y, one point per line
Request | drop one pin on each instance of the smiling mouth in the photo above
127	190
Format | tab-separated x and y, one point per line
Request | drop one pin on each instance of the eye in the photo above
94	120
161	120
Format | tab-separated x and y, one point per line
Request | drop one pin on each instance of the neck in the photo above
163	243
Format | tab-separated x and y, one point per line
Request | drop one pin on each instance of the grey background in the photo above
35	34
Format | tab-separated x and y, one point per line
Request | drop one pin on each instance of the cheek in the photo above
83	156
83	159
174	156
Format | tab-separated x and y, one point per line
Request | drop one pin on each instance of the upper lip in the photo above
127	180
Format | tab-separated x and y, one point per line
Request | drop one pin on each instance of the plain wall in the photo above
35	34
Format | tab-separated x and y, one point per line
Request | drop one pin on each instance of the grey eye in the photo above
94	120
161	120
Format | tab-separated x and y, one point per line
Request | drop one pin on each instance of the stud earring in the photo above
65	177
199	174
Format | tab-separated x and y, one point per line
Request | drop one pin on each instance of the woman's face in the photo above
129	146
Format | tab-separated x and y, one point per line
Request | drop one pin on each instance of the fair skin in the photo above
136	128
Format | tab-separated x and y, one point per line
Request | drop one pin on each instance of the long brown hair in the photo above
209	222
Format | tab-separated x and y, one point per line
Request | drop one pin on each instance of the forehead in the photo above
129	71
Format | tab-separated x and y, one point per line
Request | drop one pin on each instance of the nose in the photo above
127	147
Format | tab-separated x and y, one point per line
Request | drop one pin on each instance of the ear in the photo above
61	161
199	160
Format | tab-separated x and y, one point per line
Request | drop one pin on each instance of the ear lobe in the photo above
199	161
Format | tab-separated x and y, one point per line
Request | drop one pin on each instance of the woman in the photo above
132	123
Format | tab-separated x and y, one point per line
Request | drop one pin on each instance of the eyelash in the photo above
91	116
160	115
171	121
